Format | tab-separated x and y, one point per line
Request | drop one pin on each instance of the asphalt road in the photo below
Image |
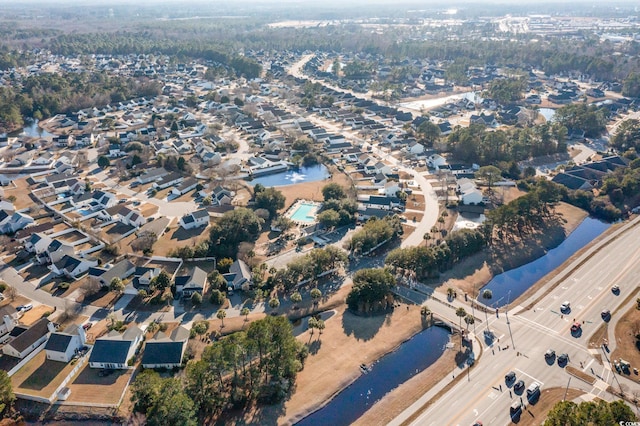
486	396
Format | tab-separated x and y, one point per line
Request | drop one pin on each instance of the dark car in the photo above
550	354
563	359
575	327
87	325
519	387
606	314
510	377
615	289
105	372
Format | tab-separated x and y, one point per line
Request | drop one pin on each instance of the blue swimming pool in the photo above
84	212
304	212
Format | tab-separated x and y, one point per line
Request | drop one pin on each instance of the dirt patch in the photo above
627	346
534	415
580	374
177	237
35	314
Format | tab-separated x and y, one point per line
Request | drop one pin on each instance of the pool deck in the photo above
310	217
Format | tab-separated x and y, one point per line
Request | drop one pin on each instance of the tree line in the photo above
259	364
475	144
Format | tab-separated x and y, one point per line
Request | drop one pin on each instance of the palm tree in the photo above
274	303
221	315
320	325
316	294
461	313
487	295
450	292
296	298
312	324
469	319
245	311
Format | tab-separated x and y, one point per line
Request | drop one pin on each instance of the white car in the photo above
25	308
565	307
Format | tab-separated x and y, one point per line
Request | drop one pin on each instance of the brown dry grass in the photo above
534	415
312	190
41	376
89	387
580	374
336	355
176	236
627	347
35	314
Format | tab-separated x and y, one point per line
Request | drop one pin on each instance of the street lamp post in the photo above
506	313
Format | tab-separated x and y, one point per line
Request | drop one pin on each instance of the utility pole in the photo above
566	390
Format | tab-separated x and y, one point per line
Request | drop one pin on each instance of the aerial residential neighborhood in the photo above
332	216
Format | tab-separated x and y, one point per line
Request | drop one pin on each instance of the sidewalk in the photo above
416	407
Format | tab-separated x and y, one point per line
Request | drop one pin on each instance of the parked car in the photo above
519	386
25	308
87	325
575	327
565	307
563	359
533	389
510	377
550	354
105	372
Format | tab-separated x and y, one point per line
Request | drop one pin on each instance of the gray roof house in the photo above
164	351
189	284
239	274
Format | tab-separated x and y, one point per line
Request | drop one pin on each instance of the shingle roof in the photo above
162	352
33	333
110	351
58	342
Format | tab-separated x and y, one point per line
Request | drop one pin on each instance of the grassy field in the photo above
41	376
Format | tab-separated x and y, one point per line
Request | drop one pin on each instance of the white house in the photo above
194	283
239	275
415	148
469	192
62	346
27	339
184	187
72	266
166	181
195	219
11	223
9	317
115	350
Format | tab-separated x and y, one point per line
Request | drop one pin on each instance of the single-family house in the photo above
184	187
152	175
63	345
8	319
166	181
11	223
436	160
115	350
239	275
162	351
27	339
37	243
122	270
469	192
55	251
142	277
221	196
415	148
196	282
195	219
72	266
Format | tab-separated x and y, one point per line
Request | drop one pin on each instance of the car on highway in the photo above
510	377
519	386
575	327
563	359
565	307
25	308
550	354
606	314
615	289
